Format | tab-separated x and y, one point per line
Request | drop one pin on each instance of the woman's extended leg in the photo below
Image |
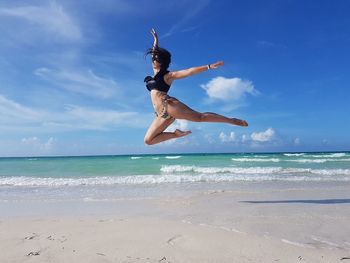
179	110
156	134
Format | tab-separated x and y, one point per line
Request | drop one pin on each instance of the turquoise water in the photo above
181	168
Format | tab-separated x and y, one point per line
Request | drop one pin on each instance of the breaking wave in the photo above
183	174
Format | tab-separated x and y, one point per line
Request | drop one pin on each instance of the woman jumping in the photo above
167	108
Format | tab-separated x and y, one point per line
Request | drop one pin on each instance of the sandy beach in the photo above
113	239
265	222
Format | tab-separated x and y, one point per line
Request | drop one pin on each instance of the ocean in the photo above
181	168
106	176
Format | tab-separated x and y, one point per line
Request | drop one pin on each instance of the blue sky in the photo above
71	75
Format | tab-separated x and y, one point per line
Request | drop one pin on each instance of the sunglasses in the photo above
154	58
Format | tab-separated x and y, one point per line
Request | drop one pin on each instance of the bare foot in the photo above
239	122
180	133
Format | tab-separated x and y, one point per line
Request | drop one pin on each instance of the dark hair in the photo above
162	55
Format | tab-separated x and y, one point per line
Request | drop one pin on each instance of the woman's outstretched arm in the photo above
180	74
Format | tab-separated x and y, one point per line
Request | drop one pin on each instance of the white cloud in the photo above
11	111
101	119
19	118
31	140
188	11
226	89
37	146
264	136
245	138
83	82
209	138
179	124
231	137
296	141
51	20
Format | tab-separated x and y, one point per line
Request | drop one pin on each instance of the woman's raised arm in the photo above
155	36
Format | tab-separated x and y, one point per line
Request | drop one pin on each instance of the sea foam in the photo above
173	157
274	160
188	174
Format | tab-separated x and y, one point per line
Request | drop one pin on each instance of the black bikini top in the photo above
157	82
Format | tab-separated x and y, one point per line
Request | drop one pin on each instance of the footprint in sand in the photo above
34	235
35	253
173	240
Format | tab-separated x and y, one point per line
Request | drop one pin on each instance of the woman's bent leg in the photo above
156	134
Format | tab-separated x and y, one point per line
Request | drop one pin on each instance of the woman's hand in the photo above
154	33
216	64
155	36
